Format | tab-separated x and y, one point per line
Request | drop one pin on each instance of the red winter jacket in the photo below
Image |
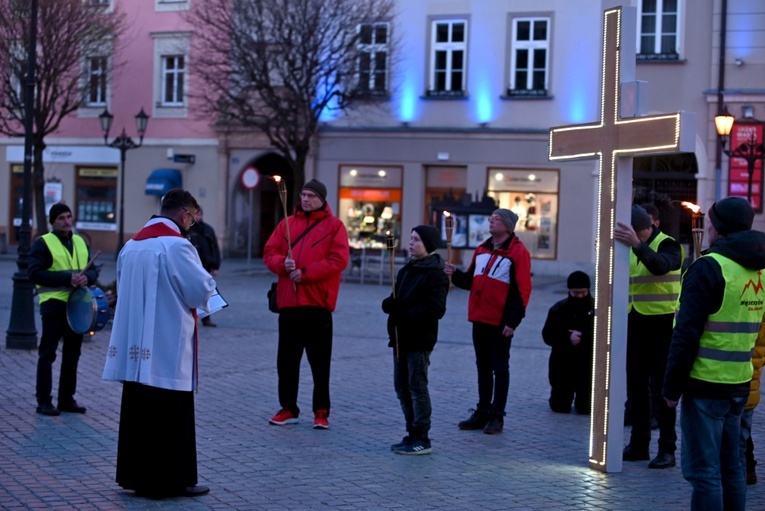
321	255
499	282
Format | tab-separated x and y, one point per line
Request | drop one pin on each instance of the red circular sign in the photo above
250	178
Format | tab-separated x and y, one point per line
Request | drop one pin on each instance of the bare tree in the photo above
68	33
277	65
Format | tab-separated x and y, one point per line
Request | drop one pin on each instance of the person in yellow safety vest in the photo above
655	262
719	313
54	263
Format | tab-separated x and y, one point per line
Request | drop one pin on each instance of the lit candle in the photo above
283	196
449	225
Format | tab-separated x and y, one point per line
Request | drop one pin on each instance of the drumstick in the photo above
90	263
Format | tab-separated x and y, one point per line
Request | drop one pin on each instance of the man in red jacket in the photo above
306	295
499	280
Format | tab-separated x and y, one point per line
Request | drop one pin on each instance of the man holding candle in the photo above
306	295
499	280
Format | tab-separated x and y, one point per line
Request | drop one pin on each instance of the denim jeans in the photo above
492	360
410	379
746	446
711	453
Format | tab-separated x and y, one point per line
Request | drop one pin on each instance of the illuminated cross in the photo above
614	140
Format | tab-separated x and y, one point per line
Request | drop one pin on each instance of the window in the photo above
448	58
173	73
97	77
373	58
104	3
530	57
171	81
658	30
96	198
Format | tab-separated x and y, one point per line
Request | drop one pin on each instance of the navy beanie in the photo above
640	218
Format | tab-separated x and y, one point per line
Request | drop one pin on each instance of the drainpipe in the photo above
720	97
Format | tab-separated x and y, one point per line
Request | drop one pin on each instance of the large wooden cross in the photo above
614	140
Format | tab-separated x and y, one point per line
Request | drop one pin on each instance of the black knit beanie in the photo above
430	236
578	280
56	210
731	214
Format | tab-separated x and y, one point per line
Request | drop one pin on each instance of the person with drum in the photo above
56	262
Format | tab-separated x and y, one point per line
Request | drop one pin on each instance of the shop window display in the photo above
370	204
533	196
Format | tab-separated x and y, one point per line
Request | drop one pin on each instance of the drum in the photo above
87	310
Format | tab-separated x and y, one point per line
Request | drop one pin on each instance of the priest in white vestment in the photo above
153	350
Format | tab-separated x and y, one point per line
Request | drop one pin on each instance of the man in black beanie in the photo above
306	294
719	312
55	261
655	262
568	331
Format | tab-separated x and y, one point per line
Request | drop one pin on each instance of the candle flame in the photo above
387	233
693	207
447	214
278	179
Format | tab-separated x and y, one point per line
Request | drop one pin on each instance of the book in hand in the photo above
216	303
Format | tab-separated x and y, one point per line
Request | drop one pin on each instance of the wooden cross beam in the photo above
614	141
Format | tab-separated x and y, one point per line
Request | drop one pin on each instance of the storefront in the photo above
370	203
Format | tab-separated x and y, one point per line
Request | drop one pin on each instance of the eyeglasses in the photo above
192	216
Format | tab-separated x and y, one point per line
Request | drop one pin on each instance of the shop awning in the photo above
163	180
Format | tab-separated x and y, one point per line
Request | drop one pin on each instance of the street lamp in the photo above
751	150
124	144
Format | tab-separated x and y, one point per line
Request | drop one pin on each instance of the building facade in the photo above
467	93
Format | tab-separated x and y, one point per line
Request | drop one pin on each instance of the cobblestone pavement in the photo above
539	462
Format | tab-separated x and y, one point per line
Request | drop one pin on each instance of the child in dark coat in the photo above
420	301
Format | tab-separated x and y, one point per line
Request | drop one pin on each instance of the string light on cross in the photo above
614	140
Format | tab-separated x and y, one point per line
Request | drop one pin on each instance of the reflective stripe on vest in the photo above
63	260
727	342
653	294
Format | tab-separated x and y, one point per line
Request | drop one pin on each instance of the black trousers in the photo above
55	327
648	340
156	450
306	329
492	360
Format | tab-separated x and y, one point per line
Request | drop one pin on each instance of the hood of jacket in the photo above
747	248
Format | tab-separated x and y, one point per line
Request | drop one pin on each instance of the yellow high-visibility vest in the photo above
653	294
63	261
727	343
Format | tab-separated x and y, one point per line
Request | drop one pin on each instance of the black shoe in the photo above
403	443
477	420
632	454
663	460
208	322
71	407
494	426
48	409
195	491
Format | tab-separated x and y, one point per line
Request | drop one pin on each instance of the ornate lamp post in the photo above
124	144
750	151
22	333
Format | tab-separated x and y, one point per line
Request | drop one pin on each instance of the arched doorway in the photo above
266	208
666	181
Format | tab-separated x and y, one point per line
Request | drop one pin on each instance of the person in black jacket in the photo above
55	263
568	330
202	236
420	301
